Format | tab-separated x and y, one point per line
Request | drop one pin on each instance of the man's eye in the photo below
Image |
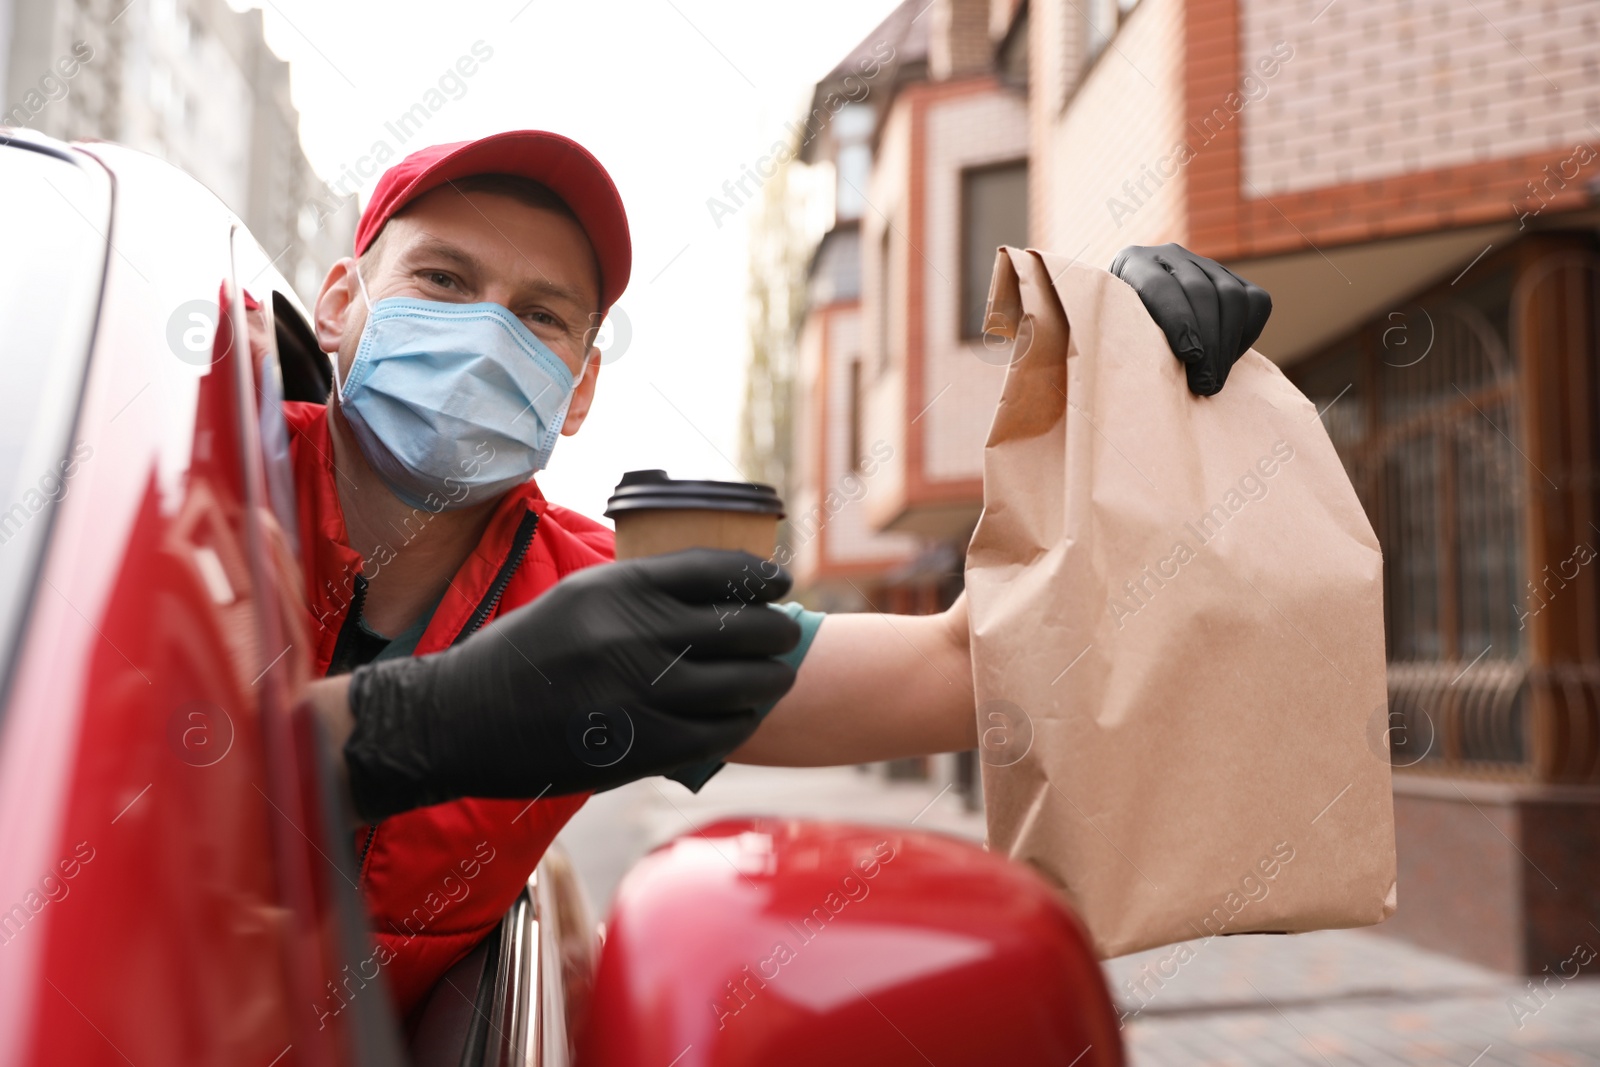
440	278
542	318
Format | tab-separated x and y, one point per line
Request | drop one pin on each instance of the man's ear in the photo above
582	396
335	304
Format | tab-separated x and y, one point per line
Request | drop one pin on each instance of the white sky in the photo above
673	96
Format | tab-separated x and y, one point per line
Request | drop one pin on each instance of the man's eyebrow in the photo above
436	247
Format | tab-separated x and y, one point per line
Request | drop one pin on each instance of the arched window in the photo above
1469	421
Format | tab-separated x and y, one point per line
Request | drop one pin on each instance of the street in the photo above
1333	997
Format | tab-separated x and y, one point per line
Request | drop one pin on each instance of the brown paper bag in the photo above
1177	632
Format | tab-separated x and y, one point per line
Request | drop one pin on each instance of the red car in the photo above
176	886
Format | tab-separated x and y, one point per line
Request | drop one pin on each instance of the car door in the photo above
166	859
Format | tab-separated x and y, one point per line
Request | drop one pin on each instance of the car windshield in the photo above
51	265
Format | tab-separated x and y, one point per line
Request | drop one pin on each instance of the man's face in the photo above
477	247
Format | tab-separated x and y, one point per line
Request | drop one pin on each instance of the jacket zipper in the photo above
358	600
352	619
366	846
497	589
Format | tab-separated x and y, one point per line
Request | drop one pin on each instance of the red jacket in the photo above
437	880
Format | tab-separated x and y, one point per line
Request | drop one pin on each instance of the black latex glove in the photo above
620	671
1210	315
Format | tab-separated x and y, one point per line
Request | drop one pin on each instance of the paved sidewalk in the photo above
1327	999
1341	997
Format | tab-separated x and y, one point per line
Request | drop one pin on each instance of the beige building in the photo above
895	382
191	81
1416	184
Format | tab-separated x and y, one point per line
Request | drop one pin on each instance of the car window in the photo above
52	262
275	318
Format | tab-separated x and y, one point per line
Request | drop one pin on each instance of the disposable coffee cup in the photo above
655	514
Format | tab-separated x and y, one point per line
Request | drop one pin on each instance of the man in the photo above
483	676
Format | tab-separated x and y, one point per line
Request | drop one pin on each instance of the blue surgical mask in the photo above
453	404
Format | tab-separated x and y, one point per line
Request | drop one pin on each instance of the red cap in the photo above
563	165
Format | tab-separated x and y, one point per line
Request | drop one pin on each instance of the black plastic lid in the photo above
654	491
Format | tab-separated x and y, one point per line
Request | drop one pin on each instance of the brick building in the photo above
1416	184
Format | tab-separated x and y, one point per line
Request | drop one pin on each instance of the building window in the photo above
852	130
994	212
1428	429
856	415
886	294
1101	21
1422	405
